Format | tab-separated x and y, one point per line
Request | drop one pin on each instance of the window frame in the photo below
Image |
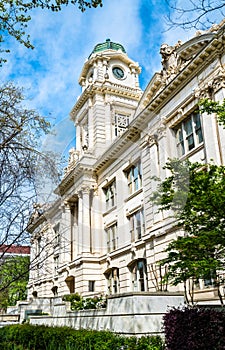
189	133
113	280
91	285
119	129
134	177
137	224
110	194
56	230
139	276
112	237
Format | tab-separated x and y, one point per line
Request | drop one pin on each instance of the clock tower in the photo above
110	94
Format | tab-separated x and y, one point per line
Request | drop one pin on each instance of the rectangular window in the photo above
57	236
39	246
134	178
209	280
189	134
112	239
139	275
56	262
113	280
110	195
91	286
137	225
121	123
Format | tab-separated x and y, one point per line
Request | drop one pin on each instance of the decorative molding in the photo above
152	139
218	82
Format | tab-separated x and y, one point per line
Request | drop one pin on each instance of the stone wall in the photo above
129	314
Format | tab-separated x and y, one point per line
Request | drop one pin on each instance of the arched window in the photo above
55	290
112	276
35	294
70	281
139	275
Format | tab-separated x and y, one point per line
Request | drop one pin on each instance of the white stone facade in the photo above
103	235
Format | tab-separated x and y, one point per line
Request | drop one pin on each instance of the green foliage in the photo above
79	303
194	328
15	15
197	194
14	274
28	337
210	107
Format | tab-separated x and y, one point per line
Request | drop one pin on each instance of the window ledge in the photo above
109	211
138	242
133	195
193	151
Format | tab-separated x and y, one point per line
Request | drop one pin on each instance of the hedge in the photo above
194	328
30	337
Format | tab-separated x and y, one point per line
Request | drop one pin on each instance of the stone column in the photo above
74	230
219	95
96	222
86	220
80	223
212	146
78	131
65	233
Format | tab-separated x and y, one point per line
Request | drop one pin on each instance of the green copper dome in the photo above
108	44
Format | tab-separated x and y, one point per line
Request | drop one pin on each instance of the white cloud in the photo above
64	40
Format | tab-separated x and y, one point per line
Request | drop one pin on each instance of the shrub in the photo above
80	303
194	328
30	337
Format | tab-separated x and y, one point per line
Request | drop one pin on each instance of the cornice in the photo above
122	143
206	45
105	88
48	211
190	47
197	64
80	169
106	56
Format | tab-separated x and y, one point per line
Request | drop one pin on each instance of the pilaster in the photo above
65	233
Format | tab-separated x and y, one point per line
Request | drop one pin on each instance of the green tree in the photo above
14	274
208	106
15	15
196	193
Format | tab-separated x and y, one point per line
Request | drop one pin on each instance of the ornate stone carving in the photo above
218	82
153	139
38	211
201	93
73	159
207	89
169	61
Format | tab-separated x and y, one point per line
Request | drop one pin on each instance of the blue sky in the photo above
63	41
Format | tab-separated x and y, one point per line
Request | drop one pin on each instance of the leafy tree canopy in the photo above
14	274
196	193
208	106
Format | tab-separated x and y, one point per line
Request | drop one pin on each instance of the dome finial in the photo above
108	45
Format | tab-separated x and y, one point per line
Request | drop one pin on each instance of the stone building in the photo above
103	235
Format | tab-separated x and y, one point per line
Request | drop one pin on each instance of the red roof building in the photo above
14	249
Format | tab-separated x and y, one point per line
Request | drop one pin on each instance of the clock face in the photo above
118	72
